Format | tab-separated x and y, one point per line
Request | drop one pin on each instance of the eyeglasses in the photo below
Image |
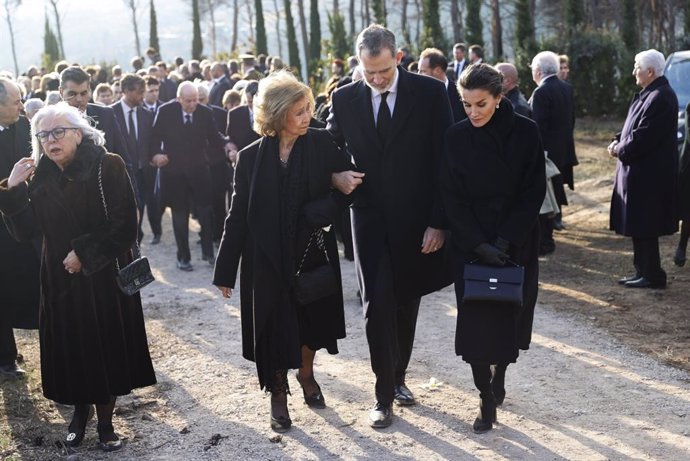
56	133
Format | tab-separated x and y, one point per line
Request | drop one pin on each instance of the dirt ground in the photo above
606	376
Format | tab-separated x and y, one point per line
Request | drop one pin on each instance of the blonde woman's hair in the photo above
73	117
277	93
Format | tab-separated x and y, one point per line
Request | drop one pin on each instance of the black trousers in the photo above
220	182
150	200
390	330
8	348
546	231
647	259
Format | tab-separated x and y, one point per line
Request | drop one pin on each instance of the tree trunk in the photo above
403	22
235	16
250	18
133	5
280	36
303	31
418	26
212	16
8	16
54	4
336	6
366	14
352	18
496	30
456	20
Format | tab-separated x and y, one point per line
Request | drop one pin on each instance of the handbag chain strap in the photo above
319	244
105	208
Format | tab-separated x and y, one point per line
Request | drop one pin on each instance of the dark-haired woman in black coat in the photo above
493	186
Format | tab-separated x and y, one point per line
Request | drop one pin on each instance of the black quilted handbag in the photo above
137	274
318	283
493	284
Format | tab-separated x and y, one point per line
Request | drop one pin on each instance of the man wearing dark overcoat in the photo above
185	129
392	123
553	108
511	90
19	283
644	204
433	63
221	84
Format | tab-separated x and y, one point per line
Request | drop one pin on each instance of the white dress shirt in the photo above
390	100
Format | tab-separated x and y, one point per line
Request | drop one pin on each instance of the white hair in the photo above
651	59
72	116
202	89
33	105
52	98
185	85
546	62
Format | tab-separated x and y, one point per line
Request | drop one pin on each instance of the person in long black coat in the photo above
644	203
92	335
684	194
493	185
282	197
397	217
19	284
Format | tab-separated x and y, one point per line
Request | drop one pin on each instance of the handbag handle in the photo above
319	243
509	261
136	254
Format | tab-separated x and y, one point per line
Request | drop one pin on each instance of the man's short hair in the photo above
103	88
460	46
162	65
3	89
131	82
73	74
546	62
436	58
252	87
232	96
374	39
151	80
651	59
478	51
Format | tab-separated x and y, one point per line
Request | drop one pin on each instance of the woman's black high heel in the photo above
107	438
279	392
486	416
76	434
315	399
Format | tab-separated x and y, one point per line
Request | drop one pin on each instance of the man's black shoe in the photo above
403	396
629	278
12	370
185	266
557	223
642	282
156	240
381	416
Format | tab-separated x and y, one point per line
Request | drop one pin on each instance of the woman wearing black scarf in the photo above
493	185
282	195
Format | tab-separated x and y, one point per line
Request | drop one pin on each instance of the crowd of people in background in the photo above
182	128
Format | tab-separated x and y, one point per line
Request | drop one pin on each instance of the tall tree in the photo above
10	7
303	31
496	30
686	15
456	21
153	28
432	33
314	36
208	8
279	35
574	15
261	40
293	49
58	22
51	51
524	24
473	23
197	44
133	6
629	32
339	44
379	8
235	17
352	18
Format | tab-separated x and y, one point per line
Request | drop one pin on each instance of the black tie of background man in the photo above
383	118
132	129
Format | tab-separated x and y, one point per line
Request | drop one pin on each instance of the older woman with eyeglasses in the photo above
92	336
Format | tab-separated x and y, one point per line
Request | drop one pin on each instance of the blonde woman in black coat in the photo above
493	186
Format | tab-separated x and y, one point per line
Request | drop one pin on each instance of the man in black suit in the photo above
433	63
553	108
75	90
186	130
151	93
221	173
240	124
137	123
168	88
19	283
221	84
459	63
511	90
393	124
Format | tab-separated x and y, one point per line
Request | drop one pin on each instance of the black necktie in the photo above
457	72
187	119
132	129
383	118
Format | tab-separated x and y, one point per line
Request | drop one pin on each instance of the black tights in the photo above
489	382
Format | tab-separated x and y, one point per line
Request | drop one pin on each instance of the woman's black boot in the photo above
498	380
280	418
487	414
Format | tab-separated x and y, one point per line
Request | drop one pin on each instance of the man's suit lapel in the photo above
404	102
361	104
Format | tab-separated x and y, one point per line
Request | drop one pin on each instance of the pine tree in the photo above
432	33
293	48
314	36
153	28
339	46
574	15
524	24
261	41
473	23
197	44
51	49
379	11
629	28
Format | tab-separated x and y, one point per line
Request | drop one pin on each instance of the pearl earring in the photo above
496	106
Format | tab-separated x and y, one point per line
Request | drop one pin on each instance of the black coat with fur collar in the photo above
93	340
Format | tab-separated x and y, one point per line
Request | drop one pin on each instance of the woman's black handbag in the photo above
317	283
493	284
137	274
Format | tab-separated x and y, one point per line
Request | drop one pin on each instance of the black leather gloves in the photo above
502	244
489	254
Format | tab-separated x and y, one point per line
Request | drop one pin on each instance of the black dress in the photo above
493	185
